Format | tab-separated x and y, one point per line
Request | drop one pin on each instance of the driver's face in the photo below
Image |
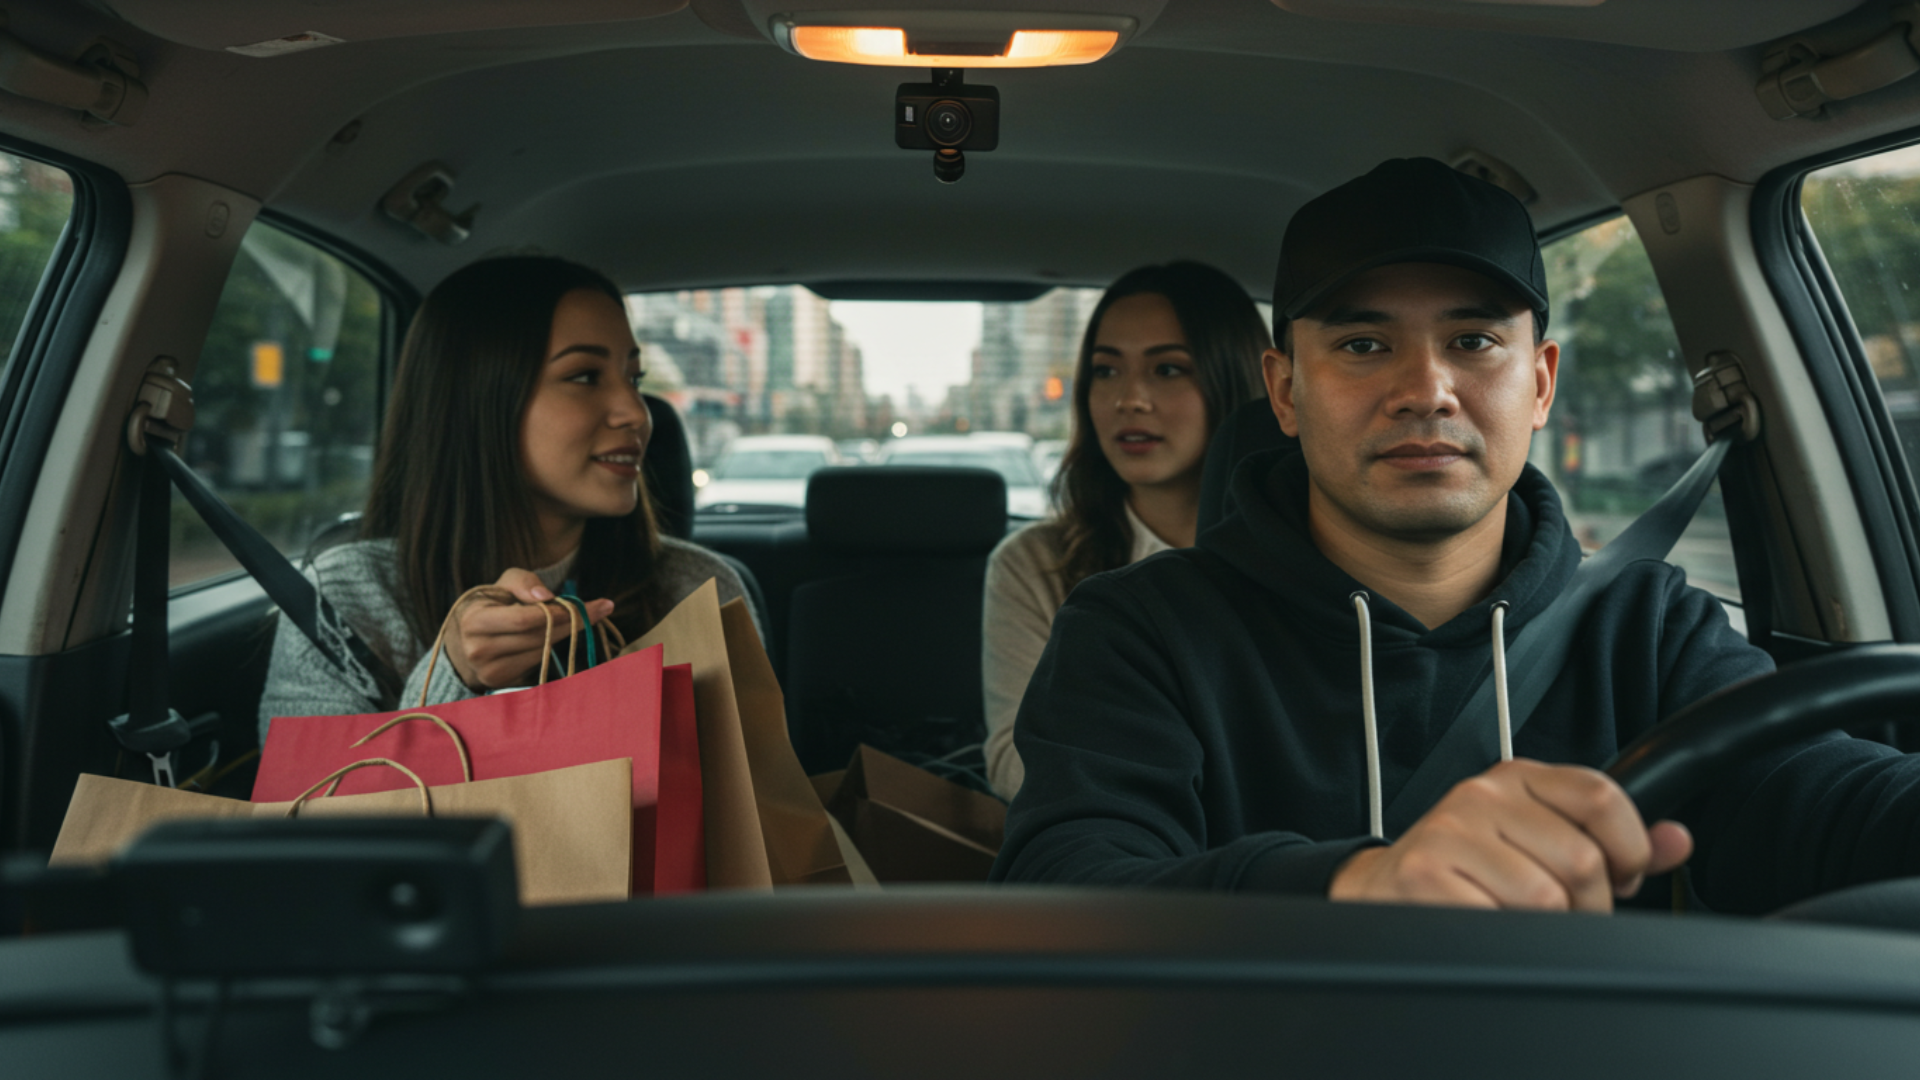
1415	394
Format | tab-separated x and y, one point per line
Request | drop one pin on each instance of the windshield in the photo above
1014	466
770	465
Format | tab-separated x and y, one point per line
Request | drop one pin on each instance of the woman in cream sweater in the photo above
1169	352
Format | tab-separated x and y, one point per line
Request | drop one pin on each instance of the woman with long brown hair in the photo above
1168	353
510	456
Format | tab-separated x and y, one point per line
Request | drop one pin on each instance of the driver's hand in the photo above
1520	835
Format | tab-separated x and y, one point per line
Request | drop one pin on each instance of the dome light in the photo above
971	40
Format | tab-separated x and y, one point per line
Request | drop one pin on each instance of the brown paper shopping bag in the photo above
572	828
765	826
912	825
805	845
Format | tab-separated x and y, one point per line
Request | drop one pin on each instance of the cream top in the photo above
1024	589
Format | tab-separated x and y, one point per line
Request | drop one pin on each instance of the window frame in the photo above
398	301
61	318
1828	340
400	298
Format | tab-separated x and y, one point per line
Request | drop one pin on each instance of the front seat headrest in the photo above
906	510
1248	429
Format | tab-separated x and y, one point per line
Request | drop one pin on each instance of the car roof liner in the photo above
992	292
1696	26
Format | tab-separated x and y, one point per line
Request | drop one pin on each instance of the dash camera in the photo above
947	117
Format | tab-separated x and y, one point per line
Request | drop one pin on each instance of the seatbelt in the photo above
150	726
1470	744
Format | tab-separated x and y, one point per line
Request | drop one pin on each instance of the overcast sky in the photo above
928	346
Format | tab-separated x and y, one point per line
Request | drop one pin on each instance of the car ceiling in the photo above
668	148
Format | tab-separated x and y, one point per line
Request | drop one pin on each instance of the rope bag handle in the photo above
334	778
502	596
459	744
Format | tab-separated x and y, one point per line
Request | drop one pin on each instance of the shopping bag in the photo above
628	708
764	824
911	825
805	845
571	827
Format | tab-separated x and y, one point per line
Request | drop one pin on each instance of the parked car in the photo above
764	470
1026	492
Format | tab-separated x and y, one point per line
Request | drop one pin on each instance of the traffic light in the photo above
269	364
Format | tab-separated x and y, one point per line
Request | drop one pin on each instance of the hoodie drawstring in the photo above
1376	812
1500	680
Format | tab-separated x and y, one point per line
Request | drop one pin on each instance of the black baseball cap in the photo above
1408	210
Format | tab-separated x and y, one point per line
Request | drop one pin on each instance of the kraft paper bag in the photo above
630	707
765	826
805	845
572	840
912	825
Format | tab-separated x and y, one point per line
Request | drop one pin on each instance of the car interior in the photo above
1754	150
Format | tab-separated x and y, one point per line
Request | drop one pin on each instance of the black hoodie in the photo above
1195	720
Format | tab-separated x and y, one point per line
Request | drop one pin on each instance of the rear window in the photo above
780	360
770	465
1013	466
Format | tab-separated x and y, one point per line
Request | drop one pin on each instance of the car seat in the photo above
883	643
668	467
1247	430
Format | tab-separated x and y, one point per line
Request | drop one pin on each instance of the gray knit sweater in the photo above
358	579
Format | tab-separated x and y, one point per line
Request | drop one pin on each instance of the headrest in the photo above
906	510
668	465
1248	429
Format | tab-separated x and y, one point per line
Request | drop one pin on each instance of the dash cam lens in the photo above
948	123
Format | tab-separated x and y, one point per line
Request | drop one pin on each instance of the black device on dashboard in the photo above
947	117
332	895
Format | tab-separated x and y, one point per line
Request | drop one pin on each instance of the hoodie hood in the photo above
1266	538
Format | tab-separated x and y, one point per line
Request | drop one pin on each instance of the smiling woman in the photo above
511	456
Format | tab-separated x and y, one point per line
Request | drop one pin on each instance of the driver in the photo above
1196	718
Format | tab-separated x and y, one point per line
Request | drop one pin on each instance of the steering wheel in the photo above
1695	749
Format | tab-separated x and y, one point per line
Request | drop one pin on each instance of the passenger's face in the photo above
586	426
1145	397
1415	398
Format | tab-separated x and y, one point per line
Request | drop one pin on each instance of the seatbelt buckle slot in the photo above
164	409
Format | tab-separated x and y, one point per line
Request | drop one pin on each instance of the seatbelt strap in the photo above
160	421
1539	652
150	725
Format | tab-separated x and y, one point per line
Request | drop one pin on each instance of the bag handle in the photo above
459	744
501	596
334	778
606	627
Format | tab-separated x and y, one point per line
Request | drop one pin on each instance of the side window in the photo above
35	202
1622	429
286	396
1863	213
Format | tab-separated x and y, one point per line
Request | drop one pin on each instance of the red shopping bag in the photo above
629	707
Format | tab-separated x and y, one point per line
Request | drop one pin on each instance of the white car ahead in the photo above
765	470
1026	491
